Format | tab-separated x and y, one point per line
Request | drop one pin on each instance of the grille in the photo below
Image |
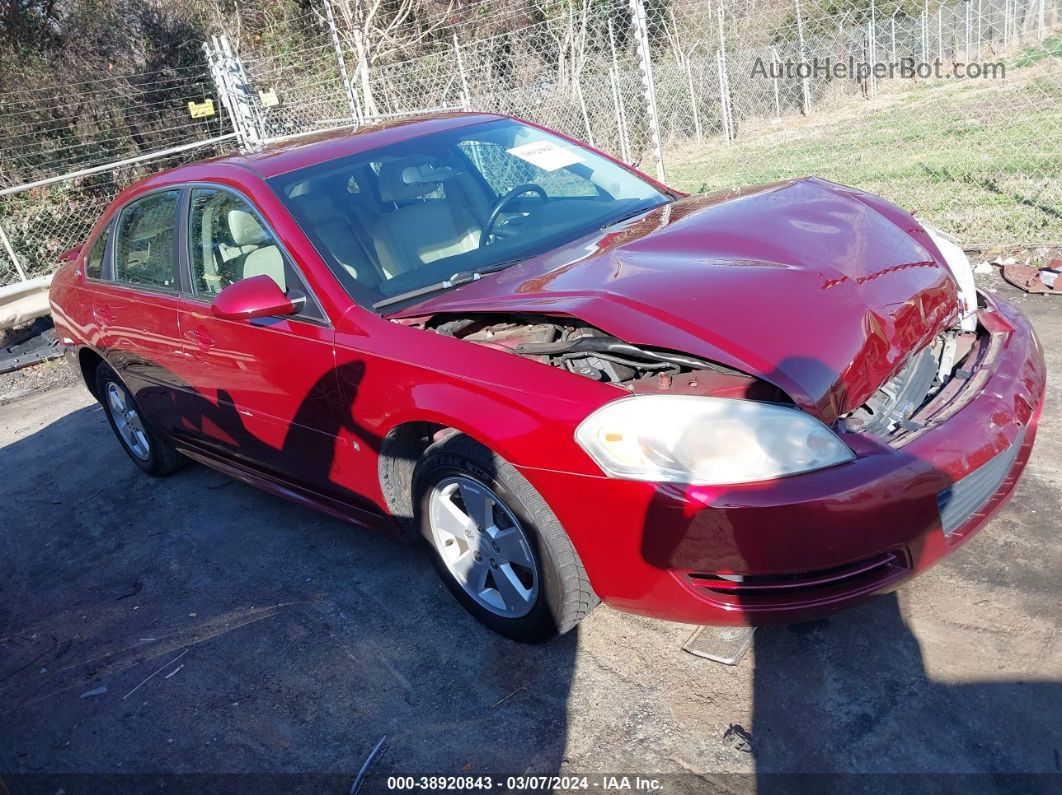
963	498
864	573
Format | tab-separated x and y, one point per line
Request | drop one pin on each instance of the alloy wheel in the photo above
128	422
484	546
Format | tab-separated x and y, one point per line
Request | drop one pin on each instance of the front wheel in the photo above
496	544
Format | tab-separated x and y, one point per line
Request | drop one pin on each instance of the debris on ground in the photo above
1040	281
36	378
96	691
738	738
28	344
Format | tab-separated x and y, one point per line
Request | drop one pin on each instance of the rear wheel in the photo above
496	544
144	446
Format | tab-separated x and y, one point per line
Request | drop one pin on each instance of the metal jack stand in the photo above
725	645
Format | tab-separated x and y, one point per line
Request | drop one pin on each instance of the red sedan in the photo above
571	381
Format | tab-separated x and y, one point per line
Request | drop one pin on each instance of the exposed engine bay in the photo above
573	345
899	400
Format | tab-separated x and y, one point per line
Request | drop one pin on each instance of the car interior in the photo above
406	216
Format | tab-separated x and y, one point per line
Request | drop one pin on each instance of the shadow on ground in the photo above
851	695
283	640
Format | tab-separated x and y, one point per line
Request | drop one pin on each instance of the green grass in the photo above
981	159
1048	48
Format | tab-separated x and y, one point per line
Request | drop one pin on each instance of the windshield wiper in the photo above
454	280
633	213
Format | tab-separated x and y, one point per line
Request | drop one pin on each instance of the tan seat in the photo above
338	235
418	230
263	256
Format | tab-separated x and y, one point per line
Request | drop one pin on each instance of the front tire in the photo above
496	544
142	443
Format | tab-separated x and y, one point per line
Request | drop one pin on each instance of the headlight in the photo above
706	440
959	265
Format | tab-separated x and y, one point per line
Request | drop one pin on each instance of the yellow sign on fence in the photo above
201	110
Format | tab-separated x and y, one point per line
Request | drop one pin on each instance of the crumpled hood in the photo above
819	289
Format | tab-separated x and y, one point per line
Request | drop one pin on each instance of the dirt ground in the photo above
195	624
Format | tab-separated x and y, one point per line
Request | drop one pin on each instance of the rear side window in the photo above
144	245
94	262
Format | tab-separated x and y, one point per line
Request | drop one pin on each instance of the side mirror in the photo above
258	296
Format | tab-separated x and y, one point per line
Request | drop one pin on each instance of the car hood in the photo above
818	289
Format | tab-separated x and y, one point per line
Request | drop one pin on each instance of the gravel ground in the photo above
36	378
196	624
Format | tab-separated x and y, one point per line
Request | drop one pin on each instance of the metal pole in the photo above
872	35
980	42
646	67
940	32
925	32
774	79
892	33
617	97
1040	22
11	253
217	73
115	164
693	95
969	27
800	39
355	113
724	82
723	116
466	98
582	107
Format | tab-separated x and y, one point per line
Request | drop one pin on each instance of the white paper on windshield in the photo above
546	155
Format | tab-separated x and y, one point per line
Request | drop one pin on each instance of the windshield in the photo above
406	218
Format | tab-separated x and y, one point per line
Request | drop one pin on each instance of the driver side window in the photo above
228	242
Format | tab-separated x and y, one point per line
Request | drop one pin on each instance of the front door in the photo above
263	391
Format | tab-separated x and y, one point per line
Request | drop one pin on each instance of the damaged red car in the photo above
572	382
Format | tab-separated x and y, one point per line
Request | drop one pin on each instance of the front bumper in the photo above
804	546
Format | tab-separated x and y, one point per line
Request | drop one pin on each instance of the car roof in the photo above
295	153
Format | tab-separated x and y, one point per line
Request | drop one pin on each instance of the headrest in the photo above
246	229
316	207
411	177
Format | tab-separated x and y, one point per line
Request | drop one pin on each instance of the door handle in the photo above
200	338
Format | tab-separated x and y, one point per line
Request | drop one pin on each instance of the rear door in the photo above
135	303
264	391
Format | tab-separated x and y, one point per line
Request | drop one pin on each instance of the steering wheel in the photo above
504	202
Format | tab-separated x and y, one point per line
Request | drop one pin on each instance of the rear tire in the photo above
145	447
528	582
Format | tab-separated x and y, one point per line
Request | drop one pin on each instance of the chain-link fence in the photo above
950	109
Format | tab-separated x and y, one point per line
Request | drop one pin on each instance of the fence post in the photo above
1040	22
617	98
892	34
725	106
925	32
805	95
355	112
234	90
11	254
466	99
969	27
872	40
774	79
940	32
645	64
